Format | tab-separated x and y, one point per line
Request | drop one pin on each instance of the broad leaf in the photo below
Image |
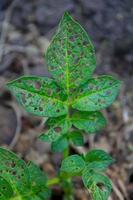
14	171
73	165
97	94
20	181
90	122
76	138
38	182
97	184
60	145
39	95
59	126
98	159
70	56
6	191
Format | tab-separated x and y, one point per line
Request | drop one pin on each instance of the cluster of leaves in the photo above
71	61
72	98
19	180
90	167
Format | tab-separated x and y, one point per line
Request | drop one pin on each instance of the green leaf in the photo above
77	138
39	95
6	191
97	184
70	56
21	181
59	127
60	145
14	171
38	182
73	165
90	122
97	94
98	159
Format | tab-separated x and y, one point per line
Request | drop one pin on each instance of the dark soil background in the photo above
26	29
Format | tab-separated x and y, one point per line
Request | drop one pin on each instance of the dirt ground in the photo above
26	29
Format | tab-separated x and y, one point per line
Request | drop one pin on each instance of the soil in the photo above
26	29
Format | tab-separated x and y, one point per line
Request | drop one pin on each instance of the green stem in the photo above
67	182
66	153
53	181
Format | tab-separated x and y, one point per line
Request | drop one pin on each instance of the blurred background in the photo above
26	27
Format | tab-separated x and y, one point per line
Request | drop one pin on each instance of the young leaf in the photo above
39	95
60	126
97	94
90	122
70	56
77	138
98	159
60	145
98	184
6	191
73	165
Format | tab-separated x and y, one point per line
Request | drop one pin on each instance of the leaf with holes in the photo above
98	159
73	165
14	171
90	122
38	182
21	181
97	184
39	95
97	94
70	56
6	191
76	138
58	127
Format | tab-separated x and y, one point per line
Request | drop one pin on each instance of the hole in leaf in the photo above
57	129
14	173
40	109
37	85
13	164
69	52
101	186
85	43
23	98
108	92
72	38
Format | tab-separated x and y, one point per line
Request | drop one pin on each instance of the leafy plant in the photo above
21	181
71	100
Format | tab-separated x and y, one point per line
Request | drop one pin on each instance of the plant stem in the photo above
67	182
66	153
53	181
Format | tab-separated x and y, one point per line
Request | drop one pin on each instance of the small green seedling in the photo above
71	100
